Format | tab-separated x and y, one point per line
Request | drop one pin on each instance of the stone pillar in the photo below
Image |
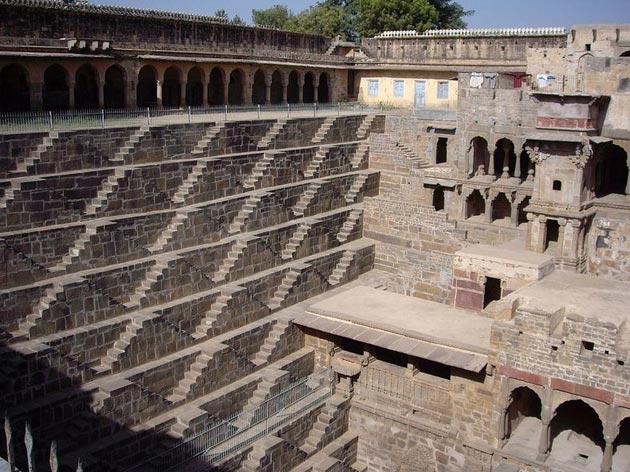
204	92
301	90
506	161
285	89
226	90
316	88
8	436
36	97
575	230
488	213
182	93
268	82
71	95
158	85
627	181
29	444
517	166
542	234
490	163
544	443
514	213
101	94
608	456
247	90
562	223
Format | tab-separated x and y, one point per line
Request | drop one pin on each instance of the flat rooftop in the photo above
586	295
405	324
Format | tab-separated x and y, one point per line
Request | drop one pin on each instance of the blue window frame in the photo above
373	88
399	88
442	90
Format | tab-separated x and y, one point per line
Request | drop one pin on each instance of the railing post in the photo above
50	121
102	118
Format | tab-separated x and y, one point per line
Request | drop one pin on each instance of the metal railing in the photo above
81	119
243	428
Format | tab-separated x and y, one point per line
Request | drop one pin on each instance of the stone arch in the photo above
438	198
14	89
146	90
475	204
611	171
171	87
480	153
276	88
504	156
114	89
194	87
308	93
56	93
259	88
501	207
621	446
216	87
625	54
235	87
576	427
323	89
86	88
523	415
293	87
581	71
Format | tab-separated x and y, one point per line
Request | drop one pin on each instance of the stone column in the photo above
247	90
506	161
608	456
488	213
544	443
301	90
285	89
627	181
182	93
36	98
204	92
490	163
71	95
562	223
101	94
316	88
268	82
514	212
575	229
517	166
226	90
158	85
542	234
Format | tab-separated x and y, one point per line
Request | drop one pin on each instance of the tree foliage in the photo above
352	19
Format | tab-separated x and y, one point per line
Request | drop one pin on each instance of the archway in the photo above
308	93
146	92
86	88
114	90
480	154
523	423
171	88
441	151
55	94
621	447
14	89
276	88
552	235
259	89
438	198
216	87
501	208
611	174
625	54
576	436
504	156
194	87
323	94
475	204
293	89
235	88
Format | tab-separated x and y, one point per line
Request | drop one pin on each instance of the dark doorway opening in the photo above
438	198
293	90
553	234
55	93
14	89
492	291
441	151
114	91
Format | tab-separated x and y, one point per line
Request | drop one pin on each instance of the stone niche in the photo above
570	111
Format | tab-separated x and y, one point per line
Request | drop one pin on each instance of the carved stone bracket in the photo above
583	153
536	155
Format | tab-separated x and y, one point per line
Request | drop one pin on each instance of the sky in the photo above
488	13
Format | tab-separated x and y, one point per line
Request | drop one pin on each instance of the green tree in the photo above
376	16
451	14
322	19
237	20
277	16
221	14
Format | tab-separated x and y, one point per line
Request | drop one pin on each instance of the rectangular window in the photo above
399	88
442	90
373	88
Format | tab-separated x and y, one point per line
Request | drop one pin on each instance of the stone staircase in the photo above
190	379
204	143
153	275
24	165
111	361
349	225
259	171
365	126
359	156
211	317
237	250
316	162
130	145
107	188
267	141
27	326
322	431
272	382
250	205
411	156
288	282
192	179
74	254
323	130
339	272
9	192
306	198
272	341
296	240
355	189
166	236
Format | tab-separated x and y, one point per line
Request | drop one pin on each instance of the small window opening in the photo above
492	291
587	348
588	47
557	185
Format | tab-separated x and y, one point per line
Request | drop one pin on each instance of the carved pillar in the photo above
268	81
542	234
506	161
470	161
490	163
316	88
517	166
504	401
248	90
204	92
182	93
562	223
285	89
53	461
301	90
158	85
36	98
488	213
611	430
544	443
514	212
575	229
71	95
226	90
101	94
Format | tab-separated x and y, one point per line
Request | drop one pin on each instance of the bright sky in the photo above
488	13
